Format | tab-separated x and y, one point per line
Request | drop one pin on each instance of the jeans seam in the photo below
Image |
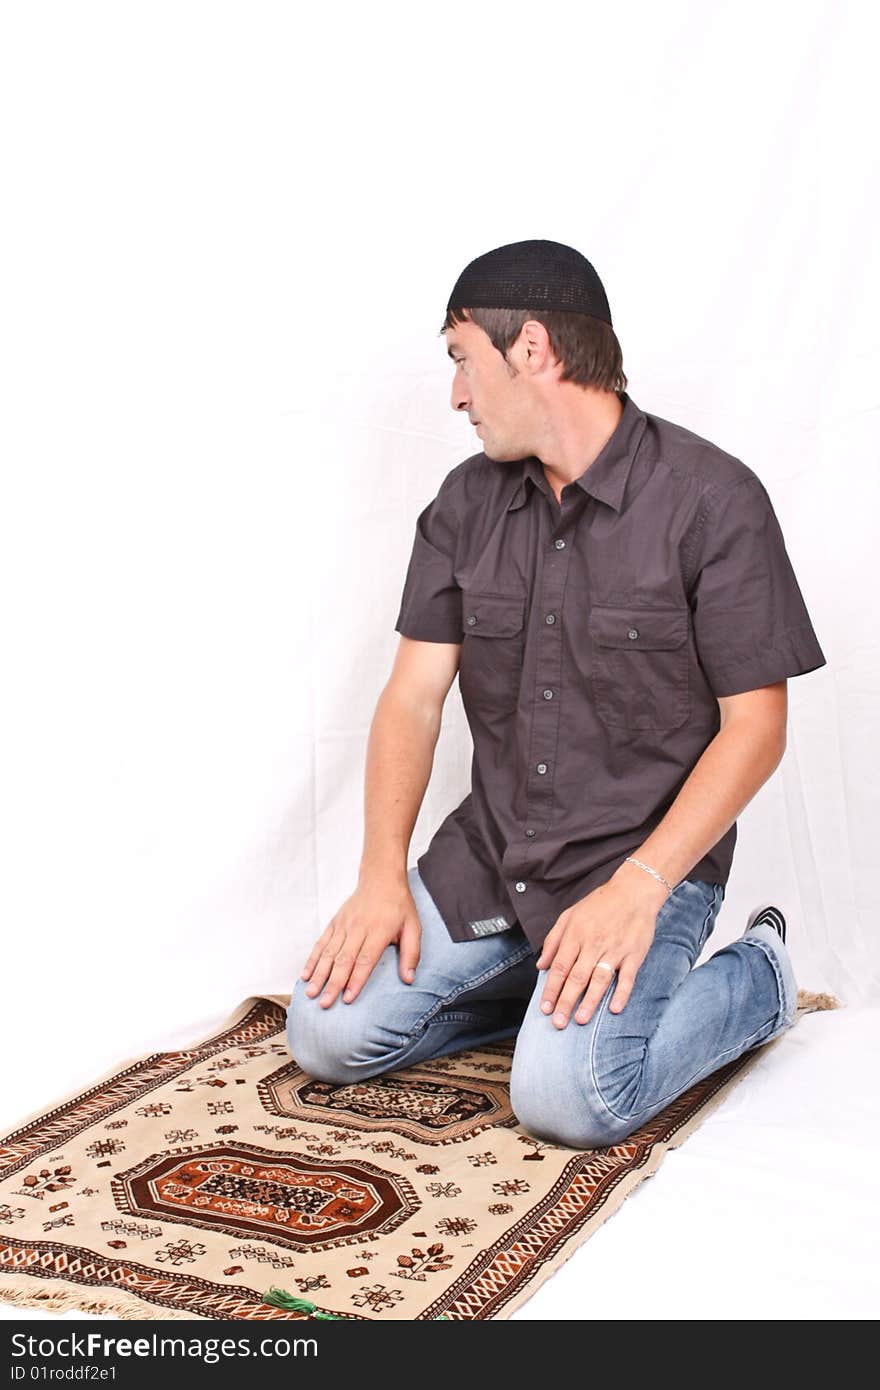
603	1009
704	935
597	1090
468	985
458	1017
782	1015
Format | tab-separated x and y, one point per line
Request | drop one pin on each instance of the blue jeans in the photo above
584	1085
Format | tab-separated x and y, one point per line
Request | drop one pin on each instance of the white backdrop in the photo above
231	231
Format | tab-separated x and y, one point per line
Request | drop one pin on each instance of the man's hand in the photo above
615	923
380	911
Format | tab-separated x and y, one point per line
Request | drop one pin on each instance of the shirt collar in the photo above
606	476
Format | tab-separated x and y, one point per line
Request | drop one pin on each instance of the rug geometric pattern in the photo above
184	1184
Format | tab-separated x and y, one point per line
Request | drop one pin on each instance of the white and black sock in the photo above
773	918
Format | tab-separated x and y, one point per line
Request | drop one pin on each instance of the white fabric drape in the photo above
231	233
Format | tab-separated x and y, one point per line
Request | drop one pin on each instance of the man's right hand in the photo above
380	911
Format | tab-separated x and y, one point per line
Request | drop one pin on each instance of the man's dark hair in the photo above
587	347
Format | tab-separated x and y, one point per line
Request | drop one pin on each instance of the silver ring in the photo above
603	965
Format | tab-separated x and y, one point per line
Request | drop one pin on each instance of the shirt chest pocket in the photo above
640	666
491	658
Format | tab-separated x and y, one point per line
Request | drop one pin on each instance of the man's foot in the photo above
771	916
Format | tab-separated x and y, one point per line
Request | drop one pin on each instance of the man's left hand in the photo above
615	924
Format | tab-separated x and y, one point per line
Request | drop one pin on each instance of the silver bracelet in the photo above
631	859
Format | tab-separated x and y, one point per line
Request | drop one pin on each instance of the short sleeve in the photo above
430	606
751	625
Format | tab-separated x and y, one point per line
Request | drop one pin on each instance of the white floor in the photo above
769	1210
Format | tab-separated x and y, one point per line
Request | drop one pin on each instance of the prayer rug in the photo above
190	1184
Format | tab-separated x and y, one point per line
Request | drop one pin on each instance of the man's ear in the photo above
536	347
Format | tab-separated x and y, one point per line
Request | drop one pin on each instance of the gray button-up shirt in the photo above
595	639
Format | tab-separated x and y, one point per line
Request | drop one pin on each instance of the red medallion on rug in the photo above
289	1199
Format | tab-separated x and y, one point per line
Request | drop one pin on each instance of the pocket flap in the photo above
492	615
645	629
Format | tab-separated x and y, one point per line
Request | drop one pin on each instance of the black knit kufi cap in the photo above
531	275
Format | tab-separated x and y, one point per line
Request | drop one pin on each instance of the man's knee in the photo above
560	1107
576	1126
337	1044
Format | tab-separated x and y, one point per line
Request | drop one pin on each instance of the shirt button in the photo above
560	545
542	767
633	632
520	887
531	833
550	618
471	620
548	694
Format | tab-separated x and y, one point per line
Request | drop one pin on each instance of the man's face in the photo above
501	403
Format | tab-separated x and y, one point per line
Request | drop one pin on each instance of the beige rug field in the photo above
189	1184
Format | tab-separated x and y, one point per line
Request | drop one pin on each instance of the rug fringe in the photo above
809	1002
57	1299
